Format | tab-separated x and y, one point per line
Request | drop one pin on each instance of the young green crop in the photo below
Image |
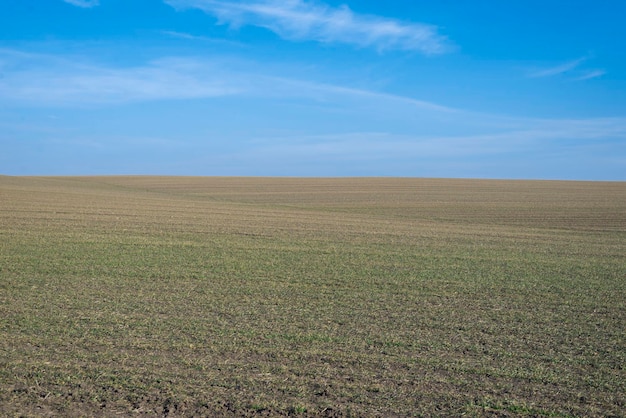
314	297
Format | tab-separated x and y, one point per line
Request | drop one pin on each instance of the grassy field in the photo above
164	296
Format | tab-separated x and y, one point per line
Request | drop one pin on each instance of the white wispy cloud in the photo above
301	20
191	37
183	35
288	87
364	131
48	80
537	132
572	70
520	148
83	3
53	80
556	70
588	75
38	80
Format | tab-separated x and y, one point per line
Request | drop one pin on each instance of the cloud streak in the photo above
189	37
83	3
520	151
557	70
51	80
299	20
588	75
572	68
44	80
536	132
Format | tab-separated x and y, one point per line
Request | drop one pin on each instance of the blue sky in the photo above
481	89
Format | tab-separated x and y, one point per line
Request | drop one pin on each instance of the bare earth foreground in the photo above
166	296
